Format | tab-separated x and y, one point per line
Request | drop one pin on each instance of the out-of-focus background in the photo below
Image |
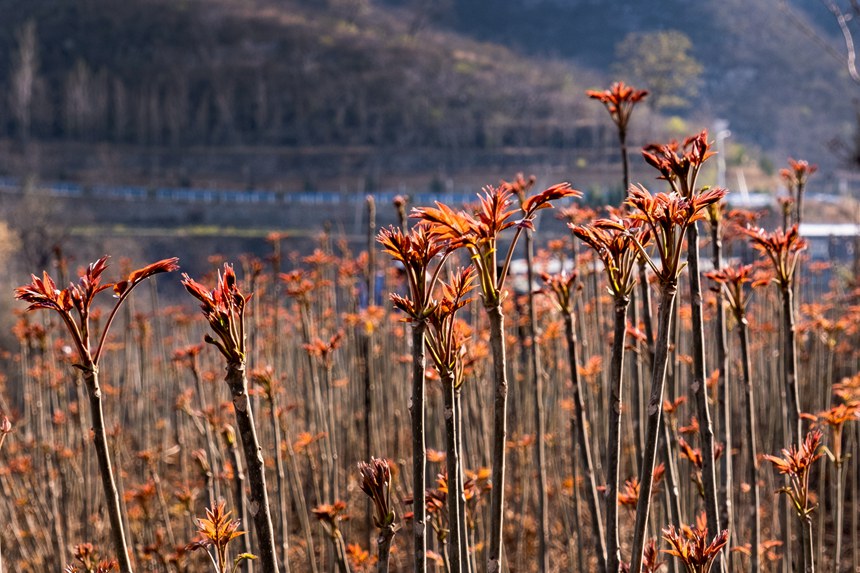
278	135
219	121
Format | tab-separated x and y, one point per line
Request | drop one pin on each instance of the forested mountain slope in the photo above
762	72
226	72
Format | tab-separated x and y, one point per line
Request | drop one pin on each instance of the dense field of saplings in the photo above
409	409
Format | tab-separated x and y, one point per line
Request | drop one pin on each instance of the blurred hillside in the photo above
762	72
162	72
380	80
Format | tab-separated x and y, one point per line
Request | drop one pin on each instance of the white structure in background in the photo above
828	241
721	133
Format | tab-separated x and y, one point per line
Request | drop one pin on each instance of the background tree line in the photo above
451	74
161	73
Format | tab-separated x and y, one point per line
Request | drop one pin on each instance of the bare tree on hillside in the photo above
175	106
25	65
119	110
844	17
847	17
661	62
77	100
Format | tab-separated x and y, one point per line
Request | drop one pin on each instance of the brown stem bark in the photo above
367	375
840	510
808	550
500	431
613	446
582	425
672	489
725	396
280	477
655	410
698	385
258	500
790	364
211	446
752	456
340	551
540	415
239	501
647	318
580	560
108	481
453	461
383	543
331	424
461	480
419	449
636	382
301	504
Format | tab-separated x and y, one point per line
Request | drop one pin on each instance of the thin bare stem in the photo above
581	433
258	500
752	455
500	379
613	446
419	449
698	385
655	409
91	380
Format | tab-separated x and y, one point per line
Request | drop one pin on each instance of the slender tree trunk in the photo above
582	425
655	410
789	561
367	375
108	481
419	449
636	382
840	511
790	365
211	446
823	484
752	457
383	543
725	400
332	422
301	504
367	338
239	500
59	538
340	552
698	385
320	411
281	483
574	433
446	561
258	500
672	489
647	320
540	416
453	461
808	551
613	447
500	432
312	379
595	286
461	497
